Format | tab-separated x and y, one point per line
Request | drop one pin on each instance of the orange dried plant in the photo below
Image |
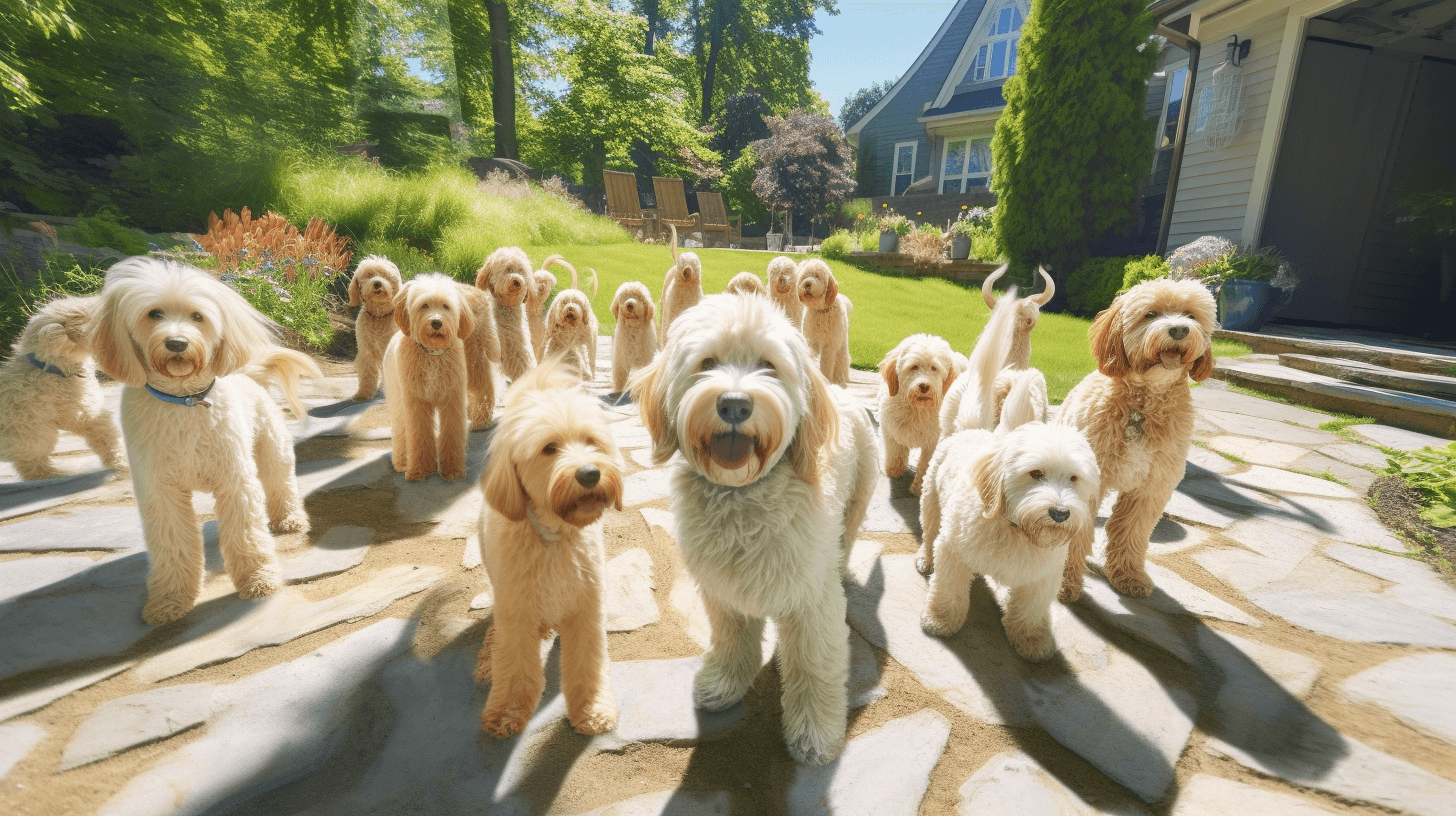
238	238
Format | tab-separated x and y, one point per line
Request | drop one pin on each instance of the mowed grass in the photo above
887	307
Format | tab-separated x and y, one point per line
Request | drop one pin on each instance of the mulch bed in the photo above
1399	506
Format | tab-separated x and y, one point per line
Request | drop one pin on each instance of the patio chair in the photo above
716	218
623	205
672	207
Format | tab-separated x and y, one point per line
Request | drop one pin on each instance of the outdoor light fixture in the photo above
1237	49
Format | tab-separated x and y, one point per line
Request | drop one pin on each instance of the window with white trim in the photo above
967	165
904	166
1172	104
996	57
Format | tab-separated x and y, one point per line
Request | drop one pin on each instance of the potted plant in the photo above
892	227
1246	280
1430	212
964	229
774	240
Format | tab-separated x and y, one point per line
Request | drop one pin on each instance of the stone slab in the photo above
1172	595
29	575
484	600
91	528
470	556
864	673
667	803
1220	399
61	628
1352	453
1397	438
655	702
890	513
24	498
1258	451
1013	783
1283	481
662	519
327	475
137	719
1184	507
331	419
1206	795
1169	536
16	742
882	772
342	548
1357	479
642	456
1202	459
1259	427
646	486
1415	689
1276	541
1416	584
627	594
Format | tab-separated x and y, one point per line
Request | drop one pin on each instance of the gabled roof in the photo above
855	129
968	49
984	99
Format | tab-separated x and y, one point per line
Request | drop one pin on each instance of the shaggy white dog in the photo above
1006	505
189	349
634	337
1137	413
825	319
776	474
49	385
571	331
553	471
508	277
1009	348
681	289
375	282
914	378
745	283
783	275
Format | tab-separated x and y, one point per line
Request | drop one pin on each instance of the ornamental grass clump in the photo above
1432	472
925	246
237	239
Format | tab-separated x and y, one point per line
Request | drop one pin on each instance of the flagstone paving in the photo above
1290	660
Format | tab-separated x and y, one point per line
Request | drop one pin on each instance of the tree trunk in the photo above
711	68
503	79
652	10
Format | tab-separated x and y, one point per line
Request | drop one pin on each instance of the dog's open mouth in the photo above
729	450
921	400
1171	360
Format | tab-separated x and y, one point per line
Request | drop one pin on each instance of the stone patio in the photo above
1290	661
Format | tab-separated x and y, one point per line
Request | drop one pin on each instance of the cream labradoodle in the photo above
681	289
193	354
375	283
783	275
425	378
825	319
745	283
543	283
1009	351
49	385
914	378
482	348
553	470
507	276
634	338
571	332
775	478
1137	413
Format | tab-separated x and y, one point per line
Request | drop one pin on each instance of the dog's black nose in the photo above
1059	514
434	324
923	388
1178	332
735	407
588	475
378	285
176	345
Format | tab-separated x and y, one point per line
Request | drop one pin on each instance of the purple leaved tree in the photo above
804	164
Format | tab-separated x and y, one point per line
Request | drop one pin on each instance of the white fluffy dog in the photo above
375	282
188	349
681	289
553	471
49	385
1007	349
825	319
776	474
508	277
1006	505
634	338
914	378
745	283
571	331
1137	413
426	378
783	275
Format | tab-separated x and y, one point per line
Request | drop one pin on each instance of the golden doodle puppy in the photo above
195	358
571	332
425	378
681	289
826	319
375	283
507	276
783	275
634	338
745	283
553	471
915	375
1137	413
49	385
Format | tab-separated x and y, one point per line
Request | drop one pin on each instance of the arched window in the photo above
996	57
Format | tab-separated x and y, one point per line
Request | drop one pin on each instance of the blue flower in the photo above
153	247
243	251
196	247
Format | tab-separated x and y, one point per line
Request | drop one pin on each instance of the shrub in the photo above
1431	471
838	246
238	239
898	224
984	246
21	293
299	305
409	140
1092	287
1146	268
925	247
104	229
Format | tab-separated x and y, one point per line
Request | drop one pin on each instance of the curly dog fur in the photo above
681	289
825	319
914	378
375	283
425	378
507	276
572	332
783	275
745	283
634	338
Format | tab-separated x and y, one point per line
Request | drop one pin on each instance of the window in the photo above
1205	106
904	166
997	55
1168	127
967	165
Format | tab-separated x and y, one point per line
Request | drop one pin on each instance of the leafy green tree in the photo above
1073	142
741	124
20	22
805	165
857	104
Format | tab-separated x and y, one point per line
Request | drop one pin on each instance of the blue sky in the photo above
869	42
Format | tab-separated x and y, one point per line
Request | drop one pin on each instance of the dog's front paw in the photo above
924	563
1070	591
713	690
161	609
295	522
418	474
915	485
505	720
452	472
894	470
1132	584
815	749
261	583
1034	645
597	719
362	397
932	625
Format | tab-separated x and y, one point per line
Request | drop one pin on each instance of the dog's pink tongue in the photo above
1171	360
730	449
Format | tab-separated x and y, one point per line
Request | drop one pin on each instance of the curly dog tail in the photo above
284	368
1026	401
990	354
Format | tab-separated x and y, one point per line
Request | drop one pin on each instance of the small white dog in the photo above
426	378
634	337
745	283
189	350
375	282
508	277
49	385
553	471
825	319
681	289
783	275
775	478
571	331
914	378
1007	505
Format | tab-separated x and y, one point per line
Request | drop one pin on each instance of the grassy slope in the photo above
888	308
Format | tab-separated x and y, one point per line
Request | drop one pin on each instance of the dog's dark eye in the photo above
196	317
155	314
710	364
1074	478
766	365
915	368
1038	475
549	450
1150	315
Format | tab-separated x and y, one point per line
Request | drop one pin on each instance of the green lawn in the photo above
887	307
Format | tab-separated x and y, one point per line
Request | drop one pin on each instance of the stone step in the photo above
1412	411
967	270
1430	385
1401	359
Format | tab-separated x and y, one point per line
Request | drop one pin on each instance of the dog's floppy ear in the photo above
467	320
986	476
401	310
502	485
1203	366
891	374
831	290
949	361
819	425
617	306
354	289
649	390
1106	337
482	276
648	307
111	343
244	334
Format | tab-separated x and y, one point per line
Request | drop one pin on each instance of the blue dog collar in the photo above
48	368
191	400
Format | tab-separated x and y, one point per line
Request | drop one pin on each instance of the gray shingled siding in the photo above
896	123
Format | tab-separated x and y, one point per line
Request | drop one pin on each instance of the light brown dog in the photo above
745	283
825	319
1137	413
543	284
508	277
425	378
681	289
916	375
571	331
553	470
482	349
375	283
783	275
634	338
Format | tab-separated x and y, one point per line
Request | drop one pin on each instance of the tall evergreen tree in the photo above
1073	142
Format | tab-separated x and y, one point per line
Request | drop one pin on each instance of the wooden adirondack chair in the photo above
623	205
672	207
716	218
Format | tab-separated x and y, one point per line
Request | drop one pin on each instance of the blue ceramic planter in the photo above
1245	305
